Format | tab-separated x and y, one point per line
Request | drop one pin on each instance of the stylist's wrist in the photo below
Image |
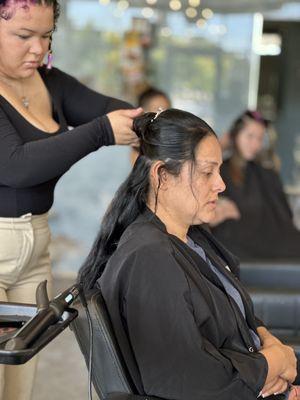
122	126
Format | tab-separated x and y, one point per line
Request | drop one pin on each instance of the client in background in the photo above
253	218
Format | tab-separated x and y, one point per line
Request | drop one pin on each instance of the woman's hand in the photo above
278	385
226	209
122	122
266	338
294	393
282	362
290	372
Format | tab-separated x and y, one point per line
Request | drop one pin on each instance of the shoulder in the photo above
145	254
55	75
145	240
266	173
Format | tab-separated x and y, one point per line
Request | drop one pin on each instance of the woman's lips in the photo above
212	203
32	64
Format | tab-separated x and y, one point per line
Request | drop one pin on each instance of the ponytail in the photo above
127	204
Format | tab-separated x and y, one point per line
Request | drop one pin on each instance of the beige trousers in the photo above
24	263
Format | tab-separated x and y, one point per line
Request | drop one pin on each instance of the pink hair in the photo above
8	8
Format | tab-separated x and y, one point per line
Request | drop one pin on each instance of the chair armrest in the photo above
126	396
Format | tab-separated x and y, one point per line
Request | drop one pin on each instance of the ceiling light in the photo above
191	12
122	5
207	13
194	3
175	5
201	23
147	12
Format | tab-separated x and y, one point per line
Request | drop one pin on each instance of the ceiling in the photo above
218	6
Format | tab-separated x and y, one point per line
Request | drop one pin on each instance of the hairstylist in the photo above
37	104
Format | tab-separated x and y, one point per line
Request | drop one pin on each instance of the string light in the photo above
151	2
104	2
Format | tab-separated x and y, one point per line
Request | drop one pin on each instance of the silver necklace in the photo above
25	102
24	99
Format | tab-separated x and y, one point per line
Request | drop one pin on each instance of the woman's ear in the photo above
159	176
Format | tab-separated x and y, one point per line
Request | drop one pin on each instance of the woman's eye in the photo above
23	37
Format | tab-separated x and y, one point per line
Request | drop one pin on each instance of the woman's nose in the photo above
220	184
37	47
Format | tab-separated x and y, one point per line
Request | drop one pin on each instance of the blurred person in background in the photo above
37	104
151	100
253	218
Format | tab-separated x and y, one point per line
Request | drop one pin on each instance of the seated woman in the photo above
253	219
184	322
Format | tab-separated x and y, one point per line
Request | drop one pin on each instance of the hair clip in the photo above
256	115
159	111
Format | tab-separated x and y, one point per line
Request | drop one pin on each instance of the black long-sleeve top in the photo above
181	335
32	161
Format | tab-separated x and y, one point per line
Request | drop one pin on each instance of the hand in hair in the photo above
122	122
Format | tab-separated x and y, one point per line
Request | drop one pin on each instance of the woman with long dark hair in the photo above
253	218
184	322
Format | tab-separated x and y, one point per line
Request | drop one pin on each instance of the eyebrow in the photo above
202	162
31	31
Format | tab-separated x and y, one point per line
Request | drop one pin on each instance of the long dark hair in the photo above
172	137
9	7
236	162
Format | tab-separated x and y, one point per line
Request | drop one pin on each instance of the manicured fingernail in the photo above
259	394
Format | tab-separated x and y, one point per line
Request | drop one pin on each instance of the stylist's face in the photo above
192	196
24	40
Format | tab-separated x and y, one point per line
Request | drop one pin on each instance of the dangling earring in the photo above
50	56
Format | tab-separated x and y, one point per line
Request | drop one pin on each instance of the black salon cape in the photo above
182	336
266	229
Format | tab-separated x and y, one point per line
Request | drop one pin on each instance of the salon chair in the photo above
275	291
110	376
